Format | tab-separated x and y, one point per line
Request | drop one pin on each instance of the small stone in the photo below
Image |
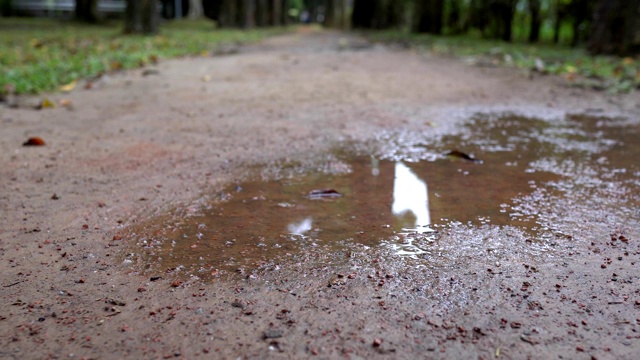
272	334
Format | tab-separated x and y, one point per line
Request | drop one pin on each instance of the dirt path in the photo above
136	146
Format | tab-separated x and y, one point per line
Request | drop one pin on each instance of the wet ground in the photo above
461	212
401	193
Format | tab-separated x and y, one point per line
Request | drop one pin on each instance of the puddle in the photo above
410	193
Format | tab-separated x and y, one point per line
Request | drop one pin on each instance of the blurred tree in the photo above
582	12
211	9
429	14
377	14
249	14
579	13
262	13
141	17
536	20
394	10
276	12
285	12
227	13
87	11
236	13
342	13
502	12
560	10
330	13
362	14
454	16
195	9
616	27
494	18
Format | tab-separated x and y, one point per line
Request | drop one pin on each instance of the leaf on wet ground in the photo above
68	87
66	103
34	141
46	104
324	194
460	155
147	72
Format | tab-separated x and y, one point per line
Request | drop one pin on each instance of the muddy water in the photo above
407	191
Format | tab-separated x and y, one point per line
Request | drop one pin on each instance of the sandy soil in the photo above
134	147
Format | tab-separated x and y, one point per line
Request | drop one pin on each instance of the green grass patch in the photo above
610	73
38	55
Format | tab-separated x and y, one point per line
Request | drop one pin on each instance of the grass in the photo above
613	74
38	54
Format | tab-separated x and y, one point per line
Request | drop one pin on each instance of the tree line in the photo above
603	26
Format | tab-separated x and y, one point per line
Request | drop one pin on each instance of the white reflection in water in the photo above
301	227
410	194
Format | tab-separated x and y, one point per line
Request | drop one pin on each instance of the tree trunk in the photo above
342	14
87	11
262	13
395	13
141	17
560	13
195	9
229	13
453	20
312	6
285	13
429	16
582	11
249	14
362	15
616	28
534	31
212	9
276	12
330	13
506	11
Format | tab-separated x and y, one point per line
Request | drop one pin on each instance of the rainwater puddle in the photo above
410	191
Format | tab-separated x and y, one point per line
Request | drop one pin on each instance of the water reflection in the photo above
388	202
410	194
301	227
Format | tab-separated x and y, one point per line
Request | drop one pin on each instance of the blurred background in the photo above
49	43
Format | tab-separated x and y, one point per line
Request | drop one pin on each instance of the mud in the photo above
530	254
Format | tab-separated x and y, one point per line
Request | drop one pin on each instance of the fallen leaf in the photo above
461	155
147	72
34	141
323	194
70	86
115	65
65	103
46	104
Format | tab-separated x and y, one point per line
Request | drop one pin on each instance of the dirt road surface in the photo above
136	147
